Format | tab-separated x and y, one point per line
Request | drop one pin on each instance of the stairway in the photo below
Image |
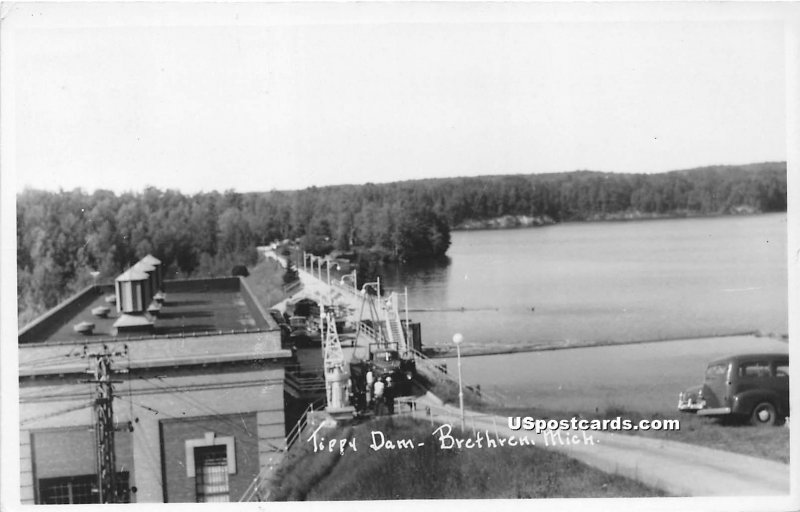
394	324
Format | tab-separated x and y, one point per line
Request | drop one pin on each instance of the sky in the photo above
256	98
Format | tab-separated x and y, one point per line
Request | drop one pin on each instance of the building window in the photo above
211	473
79	490
210	439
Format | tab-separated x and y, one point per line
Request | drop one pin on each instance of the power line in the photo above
202	424
196	403
104	423
45	360
155	463
45	396
56	413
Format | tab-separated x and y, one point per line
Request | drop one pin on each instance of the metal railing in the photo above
438	371
253	490
291	288
424	410
376	334
298	428
347	289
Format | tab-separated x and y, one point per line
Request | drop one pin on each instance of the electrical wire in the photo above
47	396
196	403
34	363
206	426
130	389
56	413
155	466
50	359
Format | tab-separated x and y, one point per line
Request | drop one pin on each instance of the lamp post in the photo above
94	274
318	261
457	339
353	277
328	269
376	285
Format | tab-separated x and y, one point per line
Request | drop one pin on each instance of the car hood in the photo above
693	392
702	392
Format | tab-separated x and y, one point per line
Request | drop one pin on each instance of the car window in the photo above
782	370
754	369
716	370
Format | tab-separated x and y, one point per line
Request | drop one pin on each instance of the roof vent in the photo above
83	328
101	311
133	291
159	274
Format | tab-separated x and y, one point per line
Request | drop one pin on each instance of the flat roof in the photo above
187	312
36	359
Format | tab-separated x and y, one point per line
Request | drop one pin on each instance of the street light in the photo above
376	285
353	277
328	268
94	274
457	339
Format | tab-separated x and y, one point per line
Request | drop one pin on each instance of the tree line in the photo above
586	195
63	236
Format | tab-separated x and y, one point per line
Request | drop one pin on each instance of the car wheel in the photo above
764	415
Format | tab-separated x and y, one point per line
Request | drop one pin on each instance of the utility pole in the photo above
104	423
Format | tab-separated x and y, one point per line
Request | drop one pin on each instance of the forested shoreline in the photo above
63	236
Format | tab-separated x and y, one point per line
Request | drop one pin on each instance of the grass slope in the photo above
266	281
738	437
429	472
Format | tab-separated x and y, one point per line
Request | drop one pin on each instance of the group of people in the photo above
380	393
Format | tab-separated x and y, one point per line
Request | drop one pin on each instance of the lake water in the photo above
611	281
643	377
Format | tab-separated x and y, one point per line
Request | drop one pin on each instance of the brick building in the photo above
199	402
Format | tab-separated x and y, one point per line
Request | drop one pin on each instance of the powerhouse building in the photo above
198	399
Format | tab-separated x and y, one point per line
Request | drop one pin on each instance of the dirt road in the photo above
678	468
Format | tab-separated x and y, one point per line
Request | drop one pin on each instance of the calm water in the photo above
644	377
605	281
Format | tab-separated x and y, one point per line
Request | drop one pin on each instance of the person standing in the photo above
388	394
370	384
379	389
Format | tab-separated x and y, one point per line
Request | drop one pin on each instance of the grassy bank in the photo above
429	472
495	349
266	281
738	437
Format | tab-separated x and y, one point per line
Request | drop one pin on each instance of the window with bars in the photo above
211	473
79	489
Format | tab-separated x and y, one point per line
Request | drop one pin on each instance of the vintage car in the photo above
384	364
749	386
388	363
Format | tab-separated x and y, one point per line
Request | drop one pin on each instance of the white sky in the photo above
284	97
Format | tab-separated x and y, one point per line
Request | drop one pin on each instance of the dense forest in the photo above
62	237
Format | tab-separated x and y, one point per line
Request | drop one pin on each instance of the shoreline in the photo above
444	353
523	221
507	222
